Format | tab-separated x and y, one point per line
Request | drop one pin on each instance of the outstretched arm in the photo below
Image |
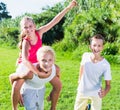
57	18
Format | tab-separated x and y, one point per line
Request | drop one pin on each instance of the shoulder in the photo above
39	33
26	39
25	43
106	62
86	54
57	68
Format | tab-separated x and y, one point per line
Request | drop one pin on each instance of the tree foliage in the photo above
3	11
90	18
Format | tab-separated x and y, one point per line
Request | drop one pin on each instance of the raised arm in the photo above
57	18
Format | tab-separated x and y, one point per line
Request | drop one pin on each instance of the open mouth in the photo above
96	51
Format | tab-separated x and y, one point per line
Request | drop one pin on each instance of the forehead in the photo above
46	54
97	41
26	22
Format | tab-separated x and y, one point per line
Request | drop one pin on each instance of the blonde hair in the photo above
22	35
26	18
44	50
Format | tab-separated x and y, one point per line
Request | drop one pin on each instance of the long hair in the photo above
22	34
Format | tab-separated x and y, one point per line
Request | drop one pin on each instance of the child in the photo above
33	88
93	67
31	41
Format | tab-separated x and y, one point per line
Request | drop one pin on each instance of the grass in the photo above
69	77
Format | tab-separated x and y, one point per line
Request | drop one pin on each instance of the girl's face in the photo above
96	46
46	61
28	27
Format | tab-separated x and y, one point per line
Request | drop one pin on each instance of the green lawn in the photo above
69	77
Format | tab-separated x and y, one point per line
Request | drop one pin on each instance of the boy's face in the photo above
46	61
28	27
96	46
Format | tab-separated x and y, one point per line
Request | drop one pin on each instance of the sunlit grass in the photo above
69	77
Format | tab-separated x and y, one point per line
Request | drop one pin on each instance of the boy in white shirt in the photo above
93	68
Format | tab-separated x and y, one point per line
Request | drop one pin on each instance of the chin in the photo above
97	54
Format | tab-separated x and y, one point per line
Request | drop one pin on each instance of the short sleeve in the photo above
85	57
107	73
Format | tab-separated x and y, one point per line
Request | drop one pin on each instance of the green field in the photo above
69	77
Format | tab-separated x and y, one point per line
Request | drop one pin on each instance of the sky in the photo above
20	7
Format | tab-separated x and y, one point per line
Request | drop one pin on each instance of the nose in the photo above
97	49
46	63
28	29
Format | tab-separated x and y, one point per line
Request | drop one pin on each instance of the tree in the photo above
3	11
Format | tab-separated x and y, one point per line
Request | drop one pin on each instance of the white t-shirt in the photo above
38	83
91	79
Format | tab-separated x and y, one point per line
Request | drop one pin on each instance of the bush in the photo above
93	20
113	59
110	49
9	36
78	52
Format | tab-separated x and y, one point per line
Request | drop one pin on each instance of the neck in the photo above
33	39
33	36
96	58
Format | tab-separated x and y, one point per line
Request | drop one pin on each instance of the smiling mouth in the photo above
46	72
96	51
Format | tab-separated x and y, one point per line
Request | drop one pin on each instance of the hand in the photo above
72	4
42	74
102	93
11	78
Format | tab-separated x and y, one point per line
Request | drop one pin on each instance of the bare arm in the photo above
57	18
103	92
25	49
57	71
